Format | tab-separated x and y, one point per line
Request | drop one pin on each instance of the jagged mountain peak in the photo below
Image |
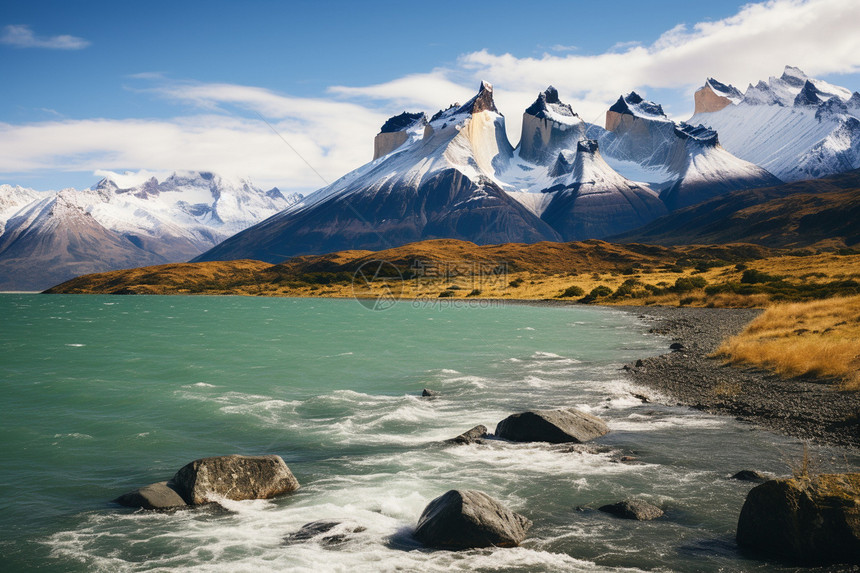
727	90
794	76
715	95
832	108
590	199
549	125
809	96
635	105
106	184
760	94
482	101
396	131
548	105
402	121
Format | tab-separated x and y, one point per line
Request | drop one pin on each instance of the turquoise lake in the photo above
104	394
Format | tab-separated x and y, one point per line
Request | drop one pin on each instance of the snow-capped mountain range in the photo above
453	175
47	237
794	126
456	175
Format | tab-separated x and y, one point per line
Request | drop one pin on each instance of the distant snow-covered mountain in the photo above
794	126
48	237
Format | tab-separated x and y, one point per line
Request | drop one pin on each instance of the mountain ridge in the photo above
69	232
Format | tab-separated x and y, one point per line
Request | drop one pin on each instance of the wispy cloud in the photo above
563	48
819	36
220	136
20	36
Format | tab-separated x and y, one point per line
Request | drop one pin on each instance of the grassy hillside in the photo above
591	271
819	339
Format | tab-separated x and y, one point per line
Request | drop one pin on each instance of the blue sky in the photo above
91	88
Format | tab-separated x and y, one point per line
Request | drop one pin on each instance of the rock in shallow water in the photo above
465	519
325	532
210	479
814	520
161	495
633	509
750	475
554	426
474	436
234	477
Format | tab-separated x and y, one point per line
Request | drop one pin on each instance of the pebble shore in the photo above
804	408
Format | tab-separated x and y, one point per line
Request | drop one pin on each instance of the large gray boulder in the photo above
464	519
815	520
234	477
554	426
161	495
633	509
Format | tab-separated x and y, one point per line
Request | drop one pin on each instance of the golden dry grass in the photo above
819	338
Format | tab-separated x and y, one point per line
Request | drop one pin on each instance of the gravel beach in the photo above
802	408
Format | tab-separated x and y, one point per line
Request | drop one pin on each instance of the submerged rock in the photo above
554	426
633	509
465	519
161	495
325	532
425	393
750	475
815	520
474	436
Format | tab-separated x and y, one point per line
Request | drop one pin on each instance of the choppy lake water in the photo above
105	394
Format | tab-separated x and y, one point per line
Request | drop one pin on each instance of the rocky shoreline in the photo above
806	409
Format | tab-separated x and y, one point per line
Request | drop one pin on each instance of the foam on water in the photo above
338	397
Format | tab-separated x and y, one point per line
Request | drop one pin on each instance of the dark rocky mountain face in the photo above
448	205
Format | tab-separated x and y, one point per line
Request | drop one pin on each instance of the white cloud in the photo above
21	36
229	145
335	133
426	92
819	36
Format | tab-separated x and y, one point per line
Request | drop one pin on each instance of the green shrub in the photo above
753	276
702	266
446	294
686	284
626	288
599	291
572	291
475	292
515	283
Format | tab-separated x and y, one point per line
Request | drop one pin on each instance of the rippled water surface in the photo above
104	394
